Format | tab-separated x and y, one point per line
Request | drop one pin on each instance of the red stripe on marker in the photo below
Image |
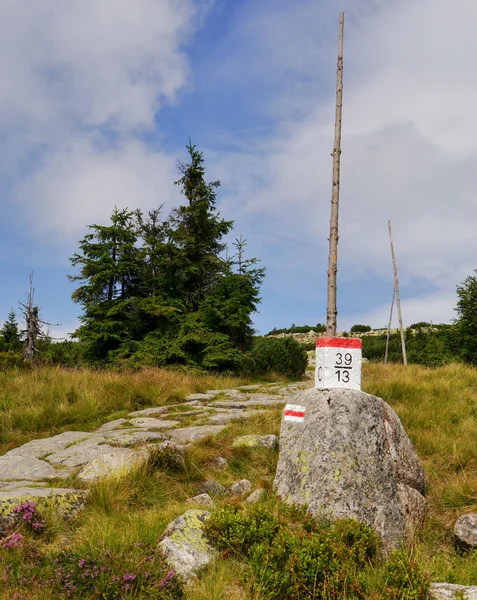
324	342
293	413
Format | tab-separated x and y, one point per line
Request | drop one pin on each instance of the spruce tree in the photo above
109	276
197	231
10	337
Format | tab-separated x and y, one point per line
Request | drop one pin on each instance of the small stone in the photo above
269	442
449	591
185	545
255	496
202	499
465	531
219	462
241	487
213	488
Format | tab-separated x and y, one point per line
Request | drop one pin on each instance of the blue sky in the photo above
98	100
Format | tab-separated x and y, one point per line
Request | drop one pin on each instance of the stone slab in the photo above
188	435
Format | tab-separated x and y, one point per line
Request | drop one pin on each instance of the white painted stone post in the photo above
338	363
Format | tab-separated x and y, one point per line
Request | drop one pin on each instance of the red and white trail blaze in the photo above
294	412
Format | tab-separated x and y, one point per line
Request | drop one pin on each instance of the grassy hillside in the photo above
117	534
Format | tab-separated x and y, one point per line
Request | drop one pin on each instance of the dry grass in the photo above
47	401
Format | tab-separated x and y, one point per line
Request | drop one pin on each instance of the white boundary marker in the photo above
338	363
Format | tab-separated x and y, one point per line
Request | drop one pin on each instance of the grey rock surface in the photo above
213	488
116	424
202	499
351	458
450	591
148	412
49	445
135	438
465	531
185	546
115	463
28	467
269	442
81	453
255	496
152	423
239	488
187	435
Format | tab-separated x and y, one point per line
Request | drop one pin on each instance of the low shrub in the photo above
12	360
360	328
404	578
284	356
294	556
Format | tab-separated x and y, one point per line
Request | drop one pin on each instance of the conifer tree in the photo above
197	231
10	337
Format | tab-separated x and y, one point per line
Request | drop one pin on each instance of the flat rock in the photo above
138	437
187	435
82	453
255	496
28	468
49	445
213	488
239	488
227	416
185	545
147	412
202	499
116	424
251	388
351	458
195	397
116	463
151	423
465	531
269	442
449	591
12	485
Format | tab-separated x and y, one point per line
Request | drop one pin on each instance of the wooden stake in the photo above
332	312
398	300
389	326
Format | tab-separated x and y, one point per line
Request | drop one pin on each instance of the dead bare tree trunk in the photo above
32	324
389	326
332	312
398	300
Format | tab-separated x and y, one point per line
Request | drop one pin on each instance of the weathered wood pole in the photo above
398	300
335	194
389	326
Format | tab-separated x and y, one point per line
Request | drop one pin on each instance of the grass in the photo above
48	401
125	518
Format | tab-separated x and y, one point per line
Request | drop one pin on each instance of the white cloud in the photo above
409	148
82	80
82	184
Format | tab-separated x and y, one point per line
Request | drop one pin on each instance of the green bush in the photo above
293	555
405	579
360	328
12	360
278	355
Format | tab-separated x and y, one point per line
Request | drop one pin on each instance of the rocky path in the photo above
32	471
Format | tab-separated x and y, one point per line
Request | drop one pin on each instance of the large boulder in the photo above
349	457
